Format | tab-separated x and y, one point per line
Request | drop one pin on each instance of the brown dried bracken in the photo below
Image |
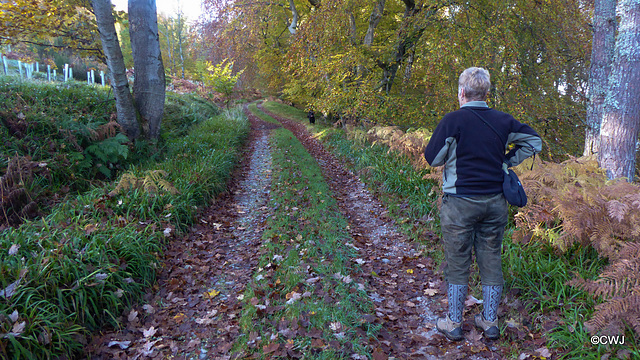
575	199
15	202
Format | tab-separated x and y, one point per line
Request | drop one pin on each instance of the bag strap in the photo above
499	136
488	124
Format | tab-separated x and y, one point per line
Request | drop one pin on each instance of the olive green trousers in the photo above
476	223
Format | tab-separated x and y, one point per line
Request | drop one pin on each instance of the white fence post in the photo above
55	75
20	67
48	72
93	76
66	72
6	66
37	66
102	77
70	73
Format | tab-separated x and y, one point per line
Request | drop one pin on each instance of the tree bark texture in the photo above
409	66
294	22
602	46
374	20
115	62
353	29
149	83
621	114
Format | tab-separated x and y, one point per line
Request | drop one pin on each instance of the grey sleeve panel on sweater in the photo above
450	171
445	152
526	146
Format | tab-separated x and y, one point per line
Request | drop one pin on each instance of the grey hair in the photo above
476	82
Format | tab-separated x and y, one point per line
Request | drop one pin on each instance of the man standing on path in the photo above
474	211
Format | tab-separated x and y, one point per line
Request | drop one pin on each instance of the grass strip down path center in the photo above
304	301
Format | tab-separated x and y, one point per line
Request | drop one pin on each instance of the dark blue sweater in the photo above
472	153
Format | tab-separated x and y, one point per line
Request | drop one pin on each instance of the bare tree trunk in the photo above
168	34
149	84
180	30
294	22
374	20
353	30
621	114
604	37
118	72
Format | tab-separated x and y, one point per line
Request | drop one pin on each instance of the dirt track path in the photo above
193	313
400	278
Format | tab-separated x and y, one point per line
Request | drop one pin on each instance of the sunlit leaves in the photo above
536	52
221	77
57	23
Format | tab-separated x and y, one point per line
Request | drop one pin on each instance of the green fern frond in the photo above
152	182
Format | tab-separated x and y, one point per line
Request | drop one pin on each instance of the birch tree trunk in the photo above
621	114
125	108
168	34
180	31
604	37
149	84
409	66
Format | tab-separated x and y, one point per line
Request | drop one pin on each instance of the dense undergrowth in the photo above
558	277
78	268
61	139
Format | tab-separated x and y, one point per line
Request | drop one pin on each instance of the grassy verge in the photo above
303	299
62	140
539	273
77	269
536	272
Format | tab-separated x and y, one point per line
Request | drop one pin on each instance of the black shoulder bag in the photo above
511	185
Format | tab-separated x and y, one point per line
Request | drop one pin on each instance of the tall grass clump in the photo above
183	111
97	253
56	126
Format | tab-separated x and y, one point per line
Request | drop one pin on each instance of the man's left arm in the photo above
527	143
